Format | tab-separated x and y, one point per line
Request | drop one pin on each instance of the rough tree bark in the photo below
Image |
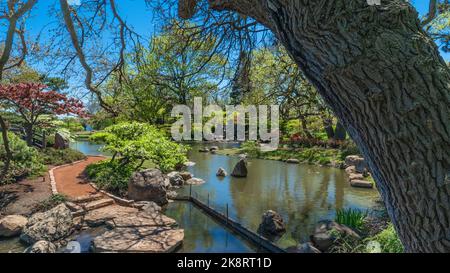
385	80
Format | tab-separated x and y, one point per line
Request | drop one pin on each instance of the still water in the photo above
302	194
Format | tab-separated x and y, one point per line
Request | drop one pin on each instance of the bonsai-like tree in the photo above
32	100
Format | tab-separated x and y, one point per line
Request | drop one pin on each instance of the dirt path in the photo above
22	197
70	180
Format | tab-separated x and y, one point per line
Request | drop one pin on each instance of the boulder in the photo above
175	179
351	169
204	150
355	176
272	224
221	172
326	232
139	240
148	185
214	148
240	170
42	247
186	176
12	225
61	142
195	181
242	156
361	184
357	161
172	195
53	225
189	164
293	161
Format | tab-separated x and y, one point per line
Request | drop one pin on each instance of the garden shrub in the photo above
251	148
25	161
131	144
110	176
58	157
389	241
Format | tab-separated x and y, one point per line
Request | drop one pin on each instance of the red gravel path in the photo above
70	180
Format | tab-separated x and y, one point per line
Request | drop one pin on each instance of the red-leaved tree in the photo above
32	100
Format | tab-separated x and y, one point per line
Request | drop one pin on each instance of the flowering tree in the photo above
32	100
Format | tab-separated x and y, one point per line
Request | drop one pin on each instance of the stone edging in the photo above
52	175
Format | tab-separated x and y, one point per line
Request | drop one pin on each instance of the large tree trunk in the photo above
385	80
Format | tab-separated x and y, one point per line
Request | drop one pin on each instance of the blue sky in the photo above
136	14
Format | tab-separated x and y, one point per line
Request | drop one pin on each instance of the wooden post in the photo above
227	213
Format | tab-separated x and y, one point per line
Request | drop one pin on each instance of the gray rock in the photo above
189	164
148	185
61	142
195	181
53	225
12	225
176	180
221	172
293	161
357	161
240	170
303	248
214	148
204	150
186	176
357	183
272	224
326	232
172	195
42	247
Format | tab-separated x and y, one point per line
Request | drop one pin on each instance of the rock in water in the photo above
357	161
186	176
61	142
214	148
176	180
12	225
42	247
148	185
221	172
325	234
204	150
293	161
240	170
195	181
52	225
357	183
272	224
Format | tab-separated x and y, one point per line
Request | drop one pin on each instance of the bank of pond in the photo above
302	194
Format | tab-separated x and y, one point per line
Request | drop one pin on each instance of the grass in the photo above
388	240
352	218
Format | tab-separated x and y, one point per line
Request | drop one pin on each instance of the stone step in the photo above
98	204
361	184
73	206
87	198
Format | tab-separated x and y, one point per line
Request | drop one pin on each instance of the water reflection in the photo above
302	194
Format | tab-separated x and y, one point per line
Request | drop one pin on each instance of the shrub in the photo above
389	241
110	176
25	161
352	218
251	148
57	157
133	143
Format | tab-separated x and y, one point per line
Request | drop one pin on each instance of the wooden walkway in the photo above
233	225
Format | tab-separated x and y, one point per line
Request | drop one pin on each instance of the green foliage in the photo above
25	161
389	241
110	176
55	157
134	143
251	148
352	218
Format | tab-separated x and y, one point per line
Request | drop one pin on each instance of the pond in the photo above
302	194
